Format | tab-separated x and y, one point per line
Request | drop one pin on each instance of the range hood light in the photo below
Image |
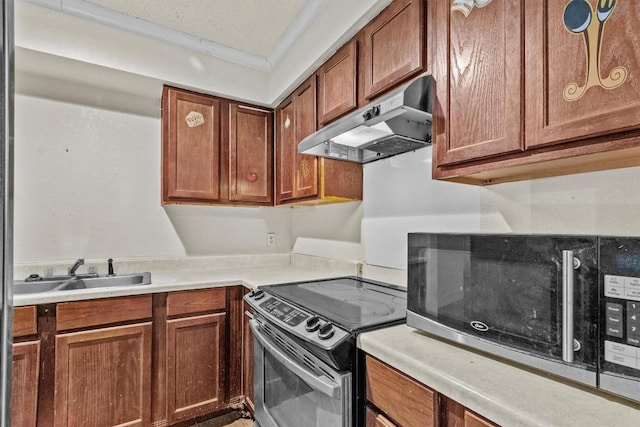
363	135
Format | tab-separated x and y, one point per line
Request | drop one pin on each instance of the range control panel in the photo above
622	320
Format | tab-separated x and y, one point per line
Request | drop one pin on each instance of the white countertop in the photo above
506	394
197	273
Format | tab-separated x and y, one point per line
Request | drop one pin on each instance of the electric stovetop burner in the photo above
350	302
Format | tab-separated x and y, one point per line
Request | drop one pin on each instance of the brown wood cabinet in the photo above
103	374
304	179
191	146
189	354
215	151
394	398
25	368
548	98
247	357
250	154
337	83
393	47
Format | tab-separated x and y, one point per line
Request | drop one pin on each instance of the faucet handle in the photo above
110	272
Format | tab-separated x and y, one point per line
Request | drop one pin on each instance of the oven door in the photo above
293	388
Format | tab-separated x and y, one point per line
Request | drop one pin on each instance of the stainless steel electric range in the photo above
307	369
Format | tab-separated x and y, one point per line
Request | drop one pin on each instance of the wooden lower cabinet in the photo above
195	365
103	377
25	368
247	358
393	399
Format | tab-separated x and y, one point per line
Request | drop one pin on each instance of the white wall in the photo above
87	184
400	197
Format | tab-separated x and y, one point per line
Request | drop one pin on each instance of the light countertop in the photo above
502	392
198	273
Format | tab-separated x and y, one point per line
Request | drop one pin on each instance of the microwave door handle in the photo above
567	305
319	383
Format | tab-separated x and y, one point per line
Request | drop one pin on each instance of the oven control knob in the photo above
258	294
313	323
326	331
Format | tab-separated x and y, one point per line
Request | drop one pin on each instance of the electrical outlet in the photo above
271	239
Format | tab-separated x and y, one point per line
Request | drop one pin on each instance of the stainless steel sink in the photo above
70	283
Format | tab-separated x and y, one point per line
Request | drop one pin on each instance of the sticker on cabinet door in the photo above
580	18
194	119
466	6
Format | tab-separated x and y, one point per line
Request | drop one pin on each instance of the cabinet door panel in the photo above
581	84
103	377
24	387
195	365
286	150
306	179
478	77
394	45
250	154
337	84
191	146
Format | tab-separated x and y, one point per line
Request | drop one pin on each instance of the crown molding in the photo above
105	16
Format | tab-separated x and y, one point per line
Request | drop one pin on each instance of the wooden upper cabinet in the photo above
582	69
337	83
190	146
393	47
250	154
478	74
296	174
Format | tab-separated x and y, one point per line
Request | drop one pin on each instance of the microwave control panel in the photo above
622	320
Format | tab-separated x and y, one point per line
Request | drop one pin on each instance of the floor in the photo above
220	422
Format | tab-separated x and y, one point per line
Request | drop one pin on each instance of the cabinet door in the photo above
374	419
250	154
394	44
478	74
453	414
337	93
582	69
24	387
403	399
195	365
297	174
191	147
103	377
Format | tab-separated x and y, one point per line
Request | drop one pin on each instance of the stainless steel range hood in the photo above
396	123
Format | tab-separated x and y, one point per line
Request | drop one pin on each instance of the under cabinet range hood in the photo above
396	123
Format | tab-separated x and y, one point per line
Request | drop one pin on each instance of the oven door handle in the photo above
319	383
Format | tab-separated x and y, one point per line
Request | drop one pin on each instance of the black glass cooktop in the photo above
349	302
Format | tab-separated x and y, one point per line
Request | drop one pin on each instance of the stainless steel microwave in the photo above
531	299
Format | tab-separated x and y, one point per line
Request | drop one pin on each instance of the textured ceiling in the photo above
252	26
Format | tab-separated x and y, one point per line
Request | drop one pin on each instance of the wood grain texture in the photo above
234	343
159	361
375	419
453	414
478	75
250	154
340	180
190	152
84	314
404	400
24	321
24	388
247	358
558	58
103	377
195	365
46	383
296	174
337	84
195	301
394	47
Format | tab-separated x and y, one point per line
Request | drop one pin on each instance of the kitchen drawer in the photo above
24	321
402	399
84	314
196	301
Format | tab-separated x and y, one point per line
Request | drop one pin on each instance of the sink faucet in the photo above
74	267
